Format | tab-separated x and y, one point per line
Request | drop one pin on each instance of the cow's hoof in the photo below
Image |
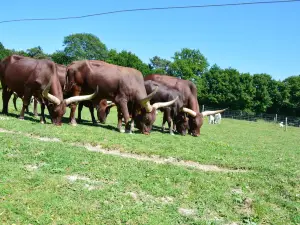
42	122
122	131
36	115
171	133
21	118
73	123
128	131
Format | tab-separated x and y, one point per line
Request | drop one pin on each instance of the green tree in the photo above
61	58
227	87
3	52
37	53
128	59
84	46
292	84
159	65
279	93
262	99
188	64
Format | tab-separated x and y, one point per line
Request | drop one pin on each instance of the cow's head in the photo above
103	109
57	107
181	121
196	119
147	115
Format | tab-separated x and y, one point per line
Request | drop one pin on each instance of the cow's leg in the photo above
120	117
91	108
72	114
80	106
35	102
6	94
27	109
124	110
26	101
133	114
170	121
42	118
165	118
15	101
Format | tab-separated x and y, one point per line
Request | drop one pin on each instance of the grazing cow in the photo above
37	77
190	102
211	119
164	94
281	124
122	85
103	107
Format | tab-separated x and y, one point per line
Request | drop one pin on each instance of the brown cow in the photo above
37	77
103	107
190	102
120	84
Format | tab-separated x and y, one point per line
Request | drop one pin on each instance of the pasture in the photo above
237	172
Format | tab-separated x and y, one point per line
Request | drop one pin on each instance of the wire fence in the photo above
271	118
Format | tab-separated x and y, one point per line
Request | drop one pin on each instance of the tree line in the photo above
217	87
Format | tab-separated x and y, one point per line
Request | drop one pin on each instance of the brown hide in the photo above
37	77
116	83
189	96
173	112
102	107
27	77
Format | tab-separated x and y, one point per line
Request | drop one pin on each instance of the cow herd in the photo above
100	85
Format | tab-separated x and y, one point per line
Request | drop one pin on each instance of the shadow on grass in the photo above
65	120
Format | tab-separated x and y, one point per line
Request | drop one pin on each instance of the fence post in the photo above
285	123
275	118
202	108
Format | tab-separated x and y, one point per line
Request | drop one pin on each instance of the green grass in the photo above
268	193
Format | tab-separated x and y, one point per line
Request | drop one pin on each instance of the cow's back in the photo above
111	79
20	71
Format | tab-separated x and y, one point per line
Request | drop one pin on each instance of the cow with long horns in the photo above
103	107
118	84
171	113
35	77
190	102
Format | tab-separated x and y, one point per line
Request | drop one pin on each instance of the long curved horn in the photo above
148	98
110	104
146	101
164	104
48	96
81	98
208	113
189	111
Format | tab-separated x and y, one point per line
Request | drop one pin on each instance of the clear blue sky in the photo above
255	39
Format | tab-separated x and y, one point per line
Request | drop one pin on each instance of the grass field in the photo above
58	179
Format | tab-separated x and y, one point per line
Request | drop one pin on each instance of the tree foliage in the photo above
3	52
60	57
128	59
84	46
159	65
216	86
37	53
188	64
